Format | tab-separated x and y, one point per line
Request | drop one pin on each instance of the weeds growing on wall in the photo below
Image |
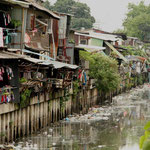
104	69
75	89
25	97
64	99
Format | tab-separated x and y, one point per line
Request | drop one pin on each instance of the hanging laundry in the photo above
9	73
1	38
8	19
1	73
2	20
5	19
85	78
6	95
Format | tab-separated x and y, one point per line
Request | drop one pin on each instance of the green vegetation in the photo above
25	97
47	5
64	99
80	11
104	69
16	23
137	22
134	51
145	139
22	80
75	89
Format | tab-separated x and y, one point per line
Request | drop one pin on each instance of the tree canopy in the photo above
47	5
104	69
80	11
137	22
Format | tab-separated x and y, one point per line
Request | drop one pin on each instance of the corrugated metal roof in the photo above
90	47
16	2
33	60
58	65
28	2
7	55
105	37
55	64
43	9
30	52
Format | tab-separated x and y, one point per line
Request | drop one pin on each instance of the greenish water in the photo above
129	112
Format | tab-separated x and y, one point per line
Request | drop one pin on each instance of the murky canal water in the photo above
114	127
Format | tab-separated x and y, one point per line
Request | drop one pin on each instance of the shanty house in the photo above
41	40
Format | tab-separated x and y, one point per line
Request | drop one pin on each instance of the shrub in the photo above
104	69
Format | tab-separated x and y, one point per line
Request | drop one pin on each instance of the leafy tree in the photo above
104	69
137	22
47	5
78	23
80	11
64	6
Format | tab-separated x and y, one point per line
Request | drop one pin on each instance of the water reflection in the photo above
130	112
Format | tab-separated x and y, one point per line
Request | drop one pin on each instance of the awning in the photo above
16	2
58	65
119	54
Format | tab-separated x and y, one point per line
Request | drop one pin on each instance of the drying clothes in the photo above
5	19
6	95
1	73
2	20
138	68
80	74
7	37
1	38
85	78
9	73
82	77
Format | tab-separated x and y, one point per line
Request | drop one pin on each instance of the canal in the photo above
115	126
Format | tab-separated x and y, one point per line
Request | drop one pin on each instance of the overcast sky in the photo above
109	14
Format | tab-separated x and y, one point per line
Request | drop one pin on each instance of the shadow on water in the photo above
121	131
